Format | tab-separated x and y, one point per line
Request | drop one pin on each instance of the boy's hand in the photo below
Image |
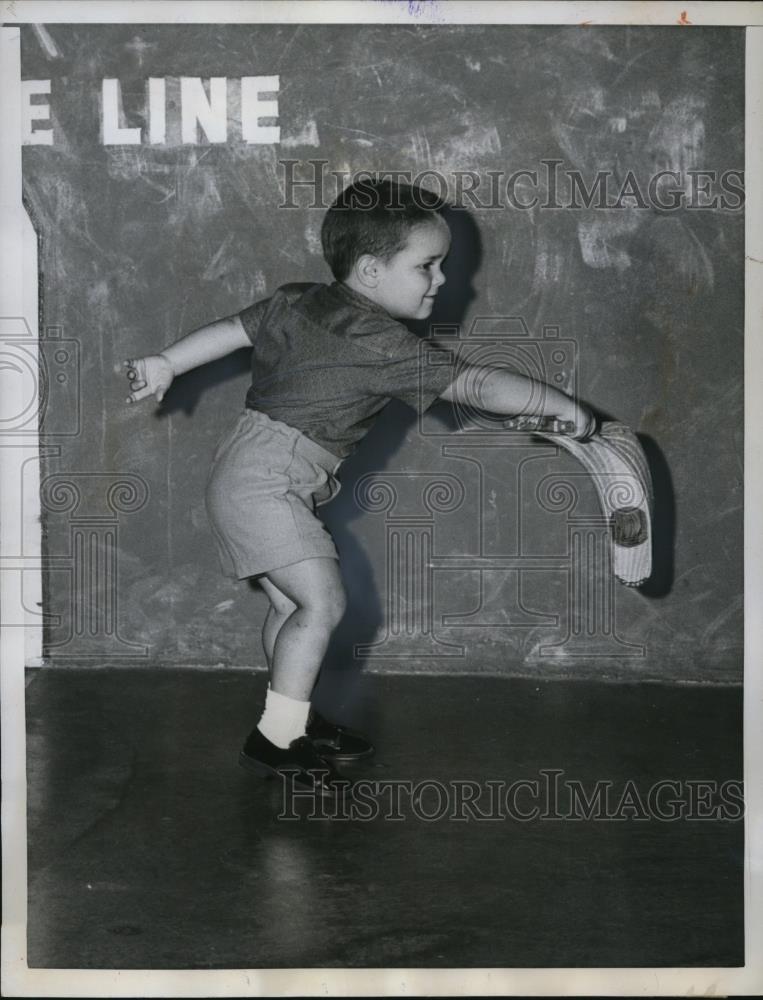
580	422
151	376
577	422
585	423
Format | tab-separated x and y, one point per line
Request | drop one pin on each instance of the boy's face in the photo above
408	282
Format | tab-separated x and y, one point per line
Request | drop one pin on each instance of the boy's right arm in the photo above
504	392
153	375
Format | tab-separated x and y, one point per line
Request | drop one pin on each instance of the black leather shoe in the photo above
336	742
299	762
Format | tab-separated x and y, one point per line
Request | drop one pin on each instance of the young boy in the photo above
326	360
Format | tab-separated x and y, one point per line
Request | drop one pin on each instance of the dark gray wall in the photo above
141	244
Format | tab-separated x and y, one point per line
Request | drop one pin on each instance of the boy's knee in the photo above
328	604
331	605
318	596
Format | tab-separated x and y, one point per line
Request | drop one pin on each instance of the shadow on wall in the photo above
185	392
365	610
660	583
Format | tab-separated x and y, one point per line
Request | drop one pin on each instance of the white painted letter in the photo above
113	134
157	116
253	108
35	112
211	114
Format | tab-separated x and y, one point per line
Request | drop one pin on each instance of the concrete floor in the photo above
150	848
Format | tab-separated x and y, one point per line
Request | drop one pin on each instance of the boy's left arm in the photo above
153	375
499	391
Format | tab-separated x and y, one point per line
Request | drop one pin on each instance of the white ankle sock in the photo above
284	718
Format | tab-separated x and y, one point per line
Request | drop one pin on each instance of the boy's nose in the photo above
439	279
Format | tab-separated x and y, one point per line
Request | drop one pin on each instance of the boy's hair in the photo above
374	217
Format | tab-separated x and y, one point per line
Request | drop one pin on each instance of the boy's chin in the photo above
422	312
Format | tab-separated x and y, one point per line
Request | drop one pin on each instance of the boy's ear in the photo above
367	270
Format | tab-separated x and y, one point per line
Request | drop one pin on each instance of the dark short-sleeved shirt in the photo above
327	360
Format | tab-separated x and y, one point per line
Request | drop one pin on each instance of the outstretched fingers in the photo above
149	376
136	376
137	394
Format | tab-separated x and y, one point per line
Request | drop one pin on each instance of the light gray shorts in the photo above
266	481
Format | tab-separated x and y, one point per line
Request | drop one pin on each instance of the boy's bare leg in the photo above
336	741
301	637
279	610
